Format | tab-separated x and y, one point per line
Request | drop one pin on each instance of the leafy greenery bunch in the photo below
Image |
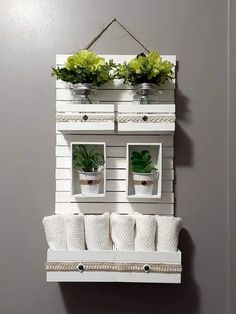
85	67
146	69
87	160
142	162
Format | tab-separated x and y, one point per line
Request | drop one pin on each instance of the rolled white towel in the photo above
122	231
168	228
97	232
74	226
55	232
145	233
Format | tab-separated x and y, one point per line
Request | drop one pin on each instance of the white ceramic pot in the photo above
90	182
143	183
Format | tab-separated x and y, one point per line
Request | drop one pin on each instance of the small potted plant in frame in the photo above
146	73
85	70
89	164
144	173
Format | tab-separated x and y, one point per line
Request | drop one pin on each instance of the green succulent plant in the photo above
87	160
142	162
85	67
146	69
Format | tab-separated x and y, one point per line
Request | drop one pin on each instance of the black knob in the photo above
146	268
145	118
144	182
85	117
90	182
80	267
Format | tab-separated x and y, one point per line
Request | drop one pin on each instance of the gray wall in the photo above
32	32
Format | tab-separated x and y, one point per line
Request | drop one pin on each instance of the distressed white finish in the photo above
146	118
115	98
99	117
116	101
114	256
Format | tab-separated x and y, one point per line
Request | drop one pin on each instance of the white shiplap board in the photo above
115	199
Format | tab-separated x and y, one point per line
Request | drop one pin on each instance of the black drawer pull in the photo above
145	118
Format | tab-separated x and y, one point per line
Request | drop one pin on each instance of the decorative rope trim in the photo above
116	267
144	183
147	119
85	118
89	182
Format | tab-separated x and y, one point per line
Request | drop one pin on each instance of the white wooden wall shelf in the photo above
122	123
76	193
146	118
85	118
155	150
113	266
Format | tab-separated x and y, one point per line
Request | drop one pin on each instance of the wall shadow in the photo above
183	143
117	298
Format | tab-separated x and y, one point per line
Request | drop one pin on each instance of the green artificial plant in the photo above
87	160
142	162
85	67
146	69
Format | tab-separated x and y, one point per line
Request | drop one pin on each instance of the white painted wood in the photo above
113	151
111	186
116	84
156	108
112	174
68	127
111	277
116	95
115	139
77	108
113	256
146	127
118	162
121	197
122	208
119	256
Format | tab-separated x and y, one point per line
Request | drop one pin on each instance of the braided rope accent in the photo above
89	118
116	267
147	118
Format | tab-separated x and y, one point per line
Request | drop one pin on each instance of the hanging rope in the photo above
105	28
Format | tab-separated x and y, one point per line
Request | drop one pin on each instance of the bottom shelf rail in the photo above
113	266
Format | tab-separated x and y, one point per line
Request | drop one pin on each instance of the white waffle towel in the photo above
74	225
55	232
145	232
168	228
122	231
97	232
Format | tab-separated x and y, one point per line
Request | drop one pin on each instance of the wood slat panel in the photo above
116	95
119	174
120	197
116	84
115	139
115	151
111	186
65	107
91	208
